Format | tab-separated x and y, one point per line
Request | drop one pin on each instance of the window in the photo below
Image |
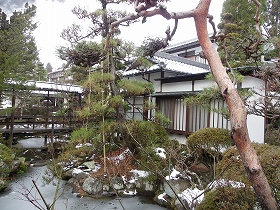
136	105
187	119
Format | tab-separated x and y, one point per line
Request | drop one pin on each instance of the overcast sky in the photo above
55	15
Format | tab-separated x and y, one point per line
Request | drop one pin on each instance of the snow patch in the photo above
81	145
161	197
192	196
223	183
175	175
161	152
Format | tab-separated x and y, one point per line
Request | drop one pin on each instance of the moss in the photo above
228	198
232	168
6	160
210	141
23	168
3	184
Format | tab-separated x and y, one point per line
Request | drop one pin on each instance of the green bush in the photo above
209	141
142	139
82	135
272	136
6	160
3	184
22	168
231	166
145	134
228	198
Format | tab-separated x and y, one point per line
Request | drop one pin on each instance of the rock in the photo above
90	164
66	175
178	185
117	183
146	187
178	205
80	177
163	200
3	185
92	186
15	166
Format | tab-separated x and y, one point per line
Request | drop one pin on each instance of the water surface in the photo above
12	198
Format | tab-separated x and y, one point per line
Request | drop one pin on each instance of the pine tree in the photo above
19	60
238	34
97	70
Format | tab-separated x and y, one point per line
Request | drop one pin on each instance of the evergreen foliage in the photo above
232	168
6	161
18	52
19	60
209	141
227	197
272	18
209	94
84	54
238	34
135	87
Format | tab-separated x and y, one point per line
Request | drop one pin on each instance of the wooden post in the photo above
10	141
47	119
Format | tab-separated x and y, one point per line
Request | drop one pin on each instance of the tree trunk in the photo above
238	113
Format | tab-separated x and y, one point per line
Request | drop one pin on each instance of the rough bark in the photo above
238	113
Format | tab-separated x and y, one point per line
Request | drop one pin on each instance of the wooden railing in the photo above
21	125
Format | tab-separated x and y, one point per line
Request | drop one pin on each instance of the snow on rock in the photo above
81	145
129	192
161	197
77	171
140	173
173	175
161	152
223	182
192	196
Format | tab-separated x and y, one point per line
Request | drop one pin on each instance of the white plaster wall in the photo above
180	138
200	84
177	86
155	83
252	82
256	128
256	124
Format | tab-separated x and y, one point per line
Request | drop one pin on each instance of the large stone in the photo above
176	186
80	176
3	185
117	183
92	186
146	187
90	164
179	204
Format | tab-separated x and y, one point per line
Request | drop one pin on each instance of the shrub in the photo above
209	141
6	160
142	139
3	184
145	133
272	136
228	198
82	135
22	168
231	166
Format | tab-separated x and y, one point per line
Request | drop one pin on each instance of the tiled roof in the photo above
172	63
